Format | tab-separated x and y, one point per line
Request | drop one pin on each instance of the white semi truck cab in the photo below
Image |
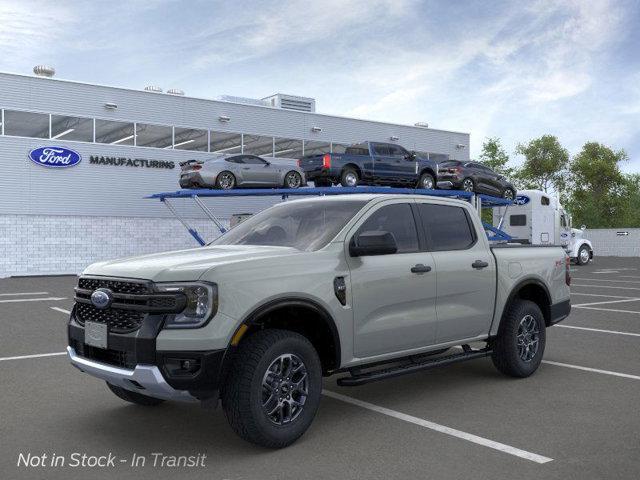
537	218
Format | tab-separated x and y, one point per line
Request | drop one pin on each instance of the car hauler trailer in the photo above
537	218
479	201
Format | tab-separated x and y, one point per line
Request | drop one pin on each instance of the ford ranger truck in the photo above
371	163
367	286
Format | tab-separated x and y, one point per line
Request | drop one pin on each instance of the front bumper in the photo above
132	361
144	379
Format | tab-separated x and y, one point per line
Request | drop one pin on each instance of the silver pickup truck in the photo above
368	286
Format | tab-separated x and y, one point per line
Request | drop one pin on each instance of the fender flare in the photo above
275	304
519	286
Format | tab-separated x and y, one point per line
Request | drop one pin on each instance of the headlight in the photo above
201	303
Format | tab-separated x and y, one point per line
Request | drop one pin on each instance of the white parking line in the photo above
599	330
440	428
607	286
604	280
22	357
606	301
606	309
16	300
61	310
598	295
22	293
595	370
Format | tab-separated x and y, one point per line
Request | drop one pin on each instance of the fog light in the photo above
177	367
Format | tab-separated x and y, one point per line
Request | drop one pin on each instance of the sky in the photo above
514	70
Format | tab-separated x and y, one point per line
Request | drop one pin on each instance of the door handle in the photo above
420	268
478	264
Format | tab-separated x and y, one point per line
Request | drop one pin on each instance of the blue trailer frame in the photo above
480	201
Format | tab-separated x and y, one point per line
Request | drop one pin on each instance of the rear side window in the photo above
359	149
381	149
448	228
398	220
517	220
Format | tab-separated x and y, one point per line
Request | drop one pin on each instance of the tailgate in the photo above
312	163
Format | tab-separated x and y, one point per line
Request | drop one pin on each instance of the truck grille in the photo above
118	320
133	300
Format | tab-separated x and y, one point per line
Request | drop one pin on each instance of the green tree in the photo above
495	157
599	191
631	197
545	164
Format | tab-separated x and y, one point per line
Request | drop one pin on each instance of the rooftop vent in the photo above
153	88
175	91
244	100
422	124
292	102
44	71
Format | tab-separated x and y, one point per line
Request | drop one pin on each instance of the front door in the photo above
257	171
394	296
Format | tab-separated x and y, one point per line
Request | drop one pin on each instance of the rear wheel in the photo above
225	181
349	178
508	194
584	255
292	179
134	397
468	185
519	346
426	181
273	390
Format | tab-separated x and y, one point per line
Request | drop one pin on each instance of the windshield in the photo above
305	226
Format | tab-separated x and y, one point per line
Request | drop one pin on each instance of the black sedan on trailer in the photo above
474	177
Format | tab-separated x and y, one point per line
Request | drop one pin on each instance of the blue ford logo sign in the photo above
102	298
56	157
522	200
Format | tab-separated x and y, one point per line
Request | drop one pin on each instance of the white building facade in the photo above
129	144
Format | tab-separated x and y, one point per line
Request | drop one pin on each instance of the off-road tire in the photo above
343	177
134	397
242	392
505	354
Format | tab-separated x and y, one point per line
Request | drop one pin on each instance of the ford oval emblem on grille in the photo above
56	157
102	298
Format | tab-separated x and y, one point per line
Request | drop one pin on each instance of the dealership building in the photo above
127	144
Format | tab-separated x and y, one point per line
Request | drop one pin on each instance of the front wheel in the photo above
292	180
273	390
583	255
426	181
519	346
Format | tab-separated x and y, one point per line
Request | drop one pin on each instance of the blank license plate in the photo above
95	334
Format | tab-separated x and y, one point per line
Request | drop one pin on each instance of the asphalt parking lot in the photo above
577	417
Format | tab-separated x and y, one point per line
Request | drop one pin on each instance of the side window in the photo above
544	200
448	228
235	160
396	151
381	149
253	160
517	220
398	220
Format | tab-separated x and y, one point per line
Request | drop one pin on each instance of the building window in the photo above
72	128
157	136
114	133
190	139
258	145
26	124
316	148
287	148
224	142
338	147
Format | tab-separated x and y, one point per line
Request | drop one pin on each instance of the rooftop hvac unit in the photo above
153	88
292	102
175	91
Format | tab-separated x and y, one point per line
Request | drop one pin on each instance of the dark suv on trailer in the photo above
474	177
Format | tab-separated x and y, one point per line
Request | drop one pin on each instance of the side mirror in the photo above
410	156
267	164
373	243
583	227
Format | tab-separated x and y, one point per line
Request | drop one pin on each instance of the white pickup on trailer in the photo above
537	218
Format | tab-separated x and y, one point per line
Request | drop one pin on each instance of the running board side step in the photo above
360	378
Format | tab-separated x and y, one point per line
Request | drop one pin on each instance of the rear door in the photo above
466	271
394	308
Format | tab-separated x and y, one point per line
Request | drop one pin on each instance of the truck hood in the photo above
184	265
